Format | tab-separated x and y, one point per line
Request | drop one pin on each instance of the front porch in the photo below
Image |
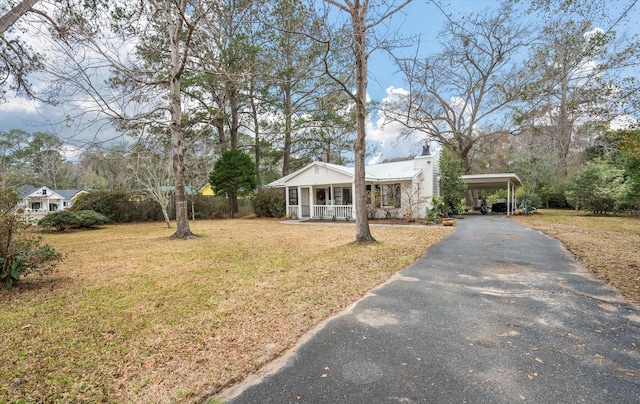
321	202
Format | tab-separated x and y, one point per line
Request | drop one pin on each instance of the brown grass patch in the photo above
132	316
609	246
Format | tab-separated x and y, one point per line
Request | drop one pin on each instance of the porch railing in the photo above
293	212
322	211
331	211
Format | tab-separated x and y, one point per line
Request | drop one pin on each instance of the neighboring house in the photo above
207	190
37	202
324	190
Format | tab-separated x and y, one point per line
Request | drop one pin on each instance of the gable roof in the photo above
396	171
26	190
66	194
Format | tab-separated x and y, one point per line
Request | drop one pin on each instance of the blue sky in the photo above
420	17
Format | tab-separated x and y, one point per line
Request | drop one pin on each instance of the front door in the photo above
304	202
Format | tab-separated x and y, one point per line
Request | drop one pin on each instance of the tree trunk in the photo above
564	128
165	214
15	13
359	15
177	145
256	131
222	140
233	204
233	107
286	164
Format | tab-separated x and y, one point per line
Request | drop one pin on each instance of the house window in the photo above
391	195
293	196
35	205
346	196
373	195
44	192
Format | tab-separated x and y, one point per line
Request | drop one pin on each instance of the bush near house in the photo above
208	206
21	253
119	206
269	202
599	187
65	220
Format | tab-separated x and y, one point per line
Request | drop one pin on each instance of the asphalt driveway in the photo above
495	313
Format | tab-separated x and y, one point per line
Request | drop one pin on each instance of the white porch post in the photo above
508	197
333	196
299	199
286	199
353	200
515	201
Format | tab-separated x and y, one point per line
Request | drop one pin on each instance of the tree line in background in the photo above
284	81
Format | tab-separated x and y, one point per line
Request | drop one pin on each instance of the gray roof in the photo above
396	171
66	194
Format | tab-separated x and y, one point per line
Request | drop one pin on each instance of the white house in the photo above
37	202
324	190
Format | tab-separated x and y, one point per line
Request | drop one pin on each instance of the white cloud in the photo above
19	105
392	138
623	122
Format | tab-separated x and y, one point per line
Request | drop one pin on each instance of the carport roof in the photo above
491	181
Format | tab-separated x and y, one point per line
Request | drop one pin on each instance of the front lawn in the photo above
132	316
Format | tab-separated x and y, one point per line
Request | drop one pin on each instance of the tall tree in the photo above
233	174
360	23
12	145
295	61
459	95
568	87
148	47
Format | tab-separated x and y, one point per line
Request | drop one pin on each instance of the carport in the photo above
508	181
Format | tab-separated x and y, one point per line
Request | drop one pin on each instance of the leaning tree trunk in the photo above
165	214
15	13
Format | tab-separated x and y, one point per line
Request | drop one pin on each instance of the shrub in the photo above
207	206
65	220
21	254
61	220
269	202
119	206
452	187
597	187
89	218
527	200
